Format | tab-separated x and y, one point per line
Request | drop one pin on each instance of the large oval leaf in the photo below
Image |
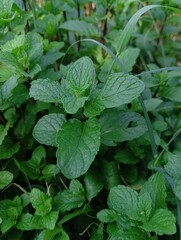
47	127
78	143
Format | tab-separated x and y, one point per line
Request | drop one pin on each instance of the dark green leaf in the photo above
78	144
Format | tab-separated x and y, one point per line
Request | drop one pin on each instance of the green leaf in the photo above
49	220
94	183
119	89
71	198
172	93
80	80
6	91
118	126
81	27
46	129
6	178
45	90
144	207
78	144
29	222
130	234
123	199
155	187
162	222
177	188
4	131
40	202
32	167
8	149
107	215
9	212
173	167
128	57
5	8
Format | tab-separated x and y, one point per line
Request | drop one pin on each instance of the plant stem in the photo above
74	214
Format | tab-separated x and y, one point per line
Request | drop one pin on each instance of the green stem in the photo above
76	213
150	130
171	140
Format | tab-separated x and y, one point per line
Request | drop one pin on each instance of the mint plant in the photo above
90	120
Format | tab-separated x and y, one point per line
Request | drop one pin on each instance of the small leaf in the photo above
172	93
8	149
107	215
94	183
6	91
80	80
119	89
70	198
47	127
78	144
155	187
5	178
4	131
123	199
45	90
81	27
130	234
41	202
162	222
173	167
144	207
118	126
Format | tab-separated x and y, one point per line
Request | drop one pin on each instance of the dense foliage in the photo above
90	118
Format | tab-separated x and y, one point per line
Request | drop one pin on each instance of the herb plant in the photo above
90	119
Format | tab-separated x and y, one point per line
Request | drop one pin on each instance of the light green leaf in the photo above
5	8
47	127
45	90
94	183
128	57
72	103
155	187
118	126
162	222
40	202
173	167
71	198
49	220
172	93
107	215
123	199
78	144
119	89
16	42
81	75
130	234
81	27
152	103
144	207
80	80
6	178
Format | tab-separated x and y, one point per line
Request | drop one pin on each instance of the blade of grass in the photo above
167	145
130	26
159	70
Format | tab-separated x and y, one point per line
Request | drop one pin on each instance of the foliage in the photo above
90	120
